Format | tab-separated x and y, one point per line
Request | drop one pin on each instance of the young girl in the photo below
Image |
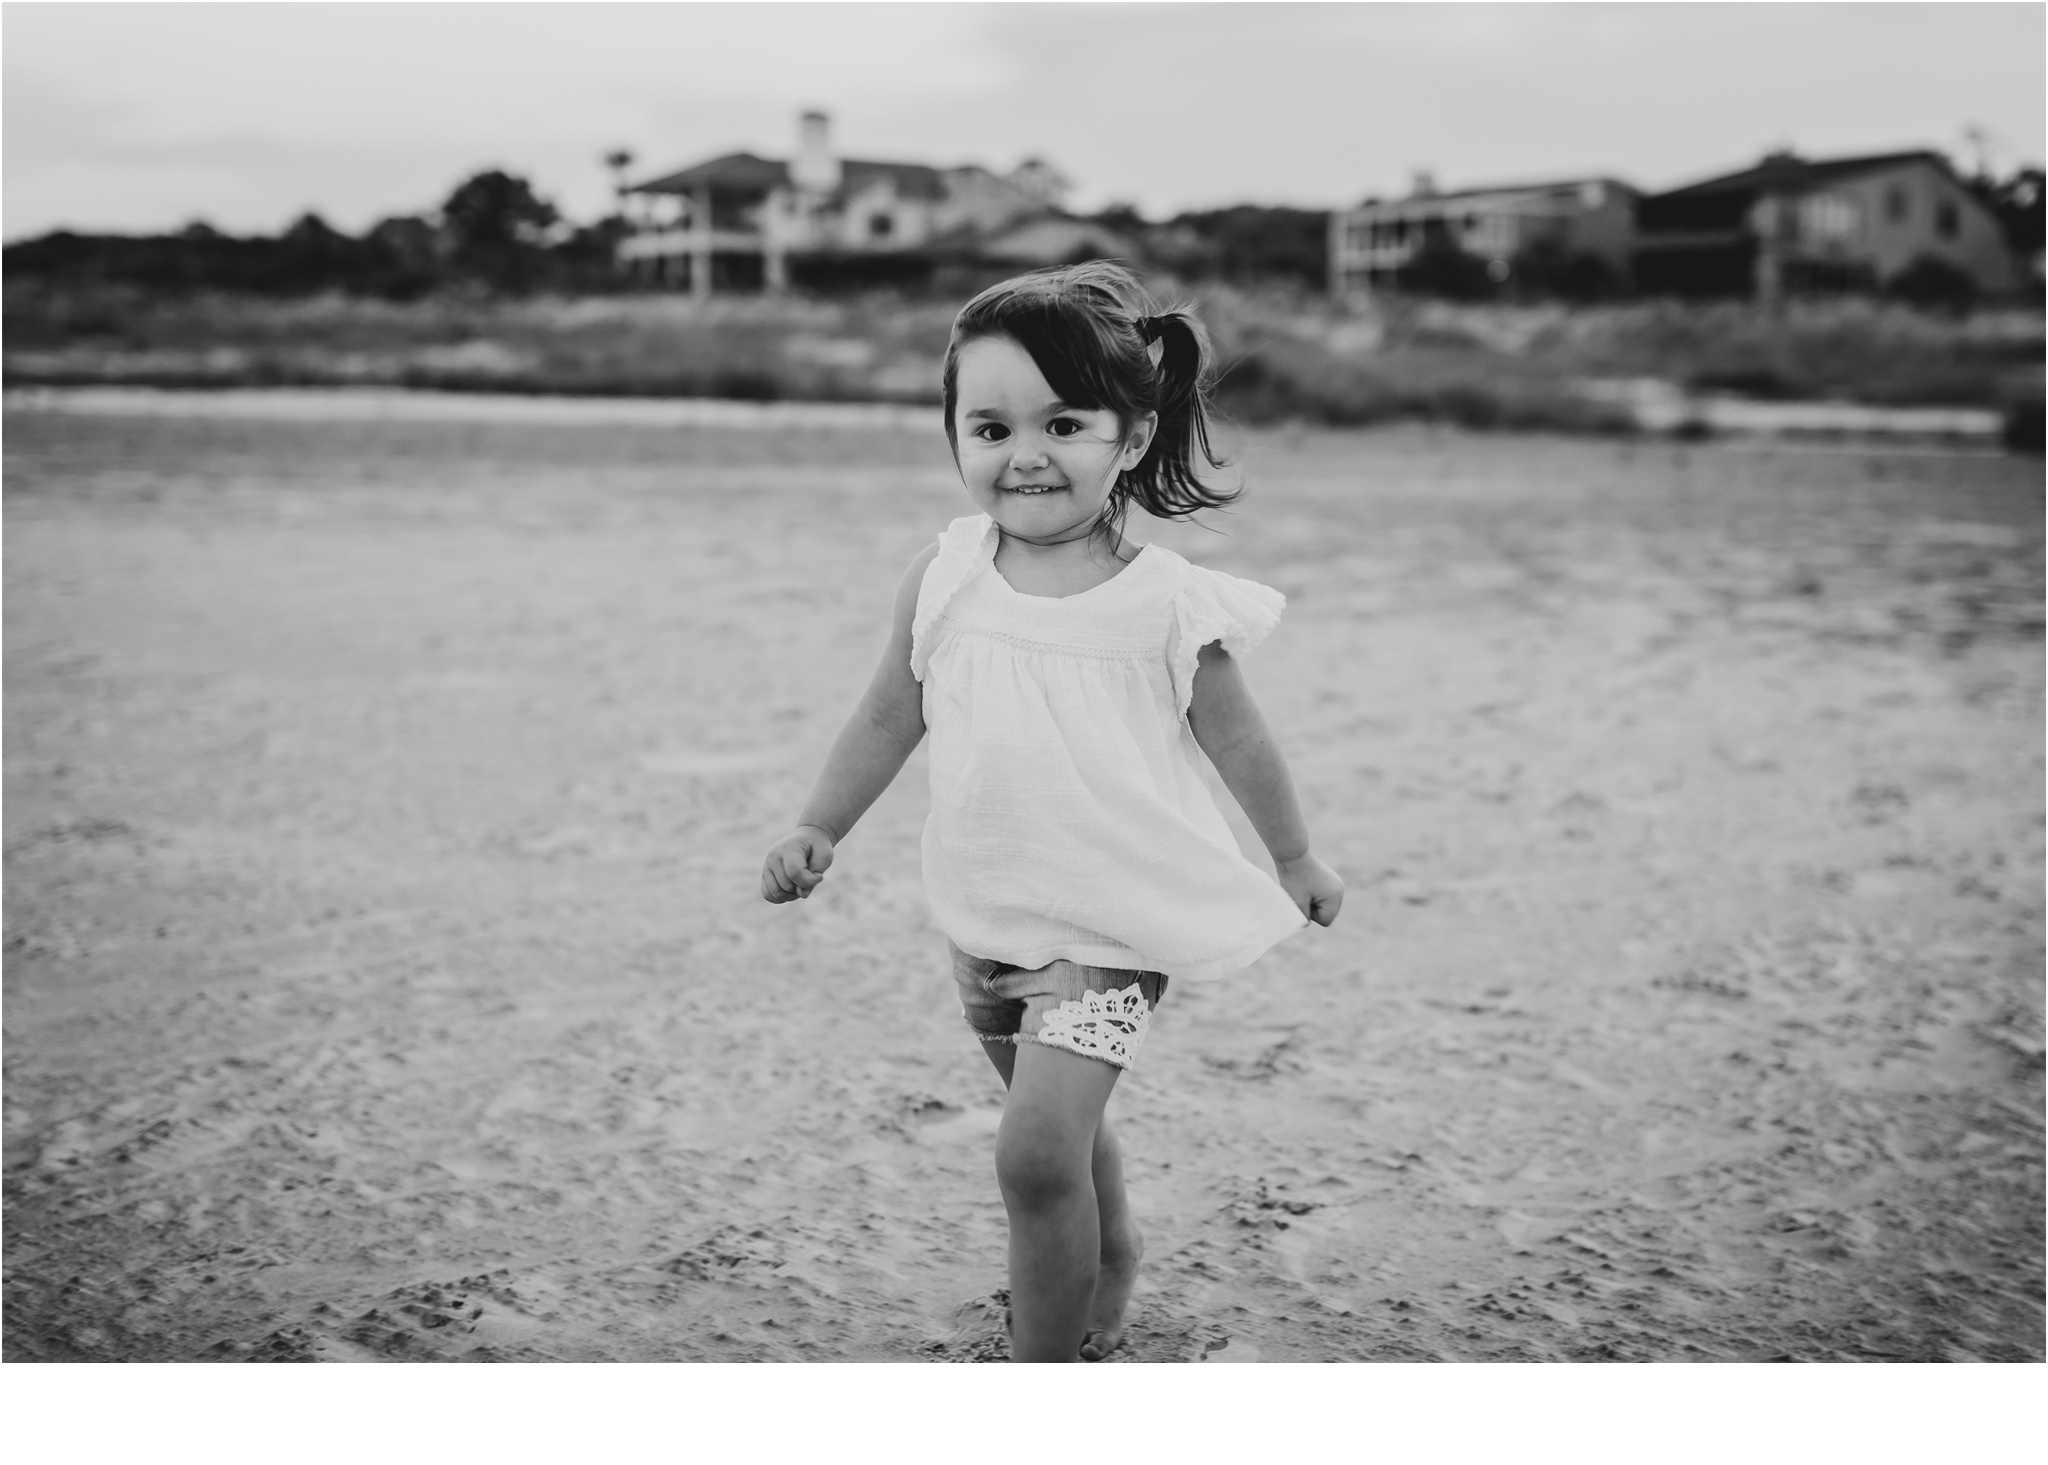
1073	855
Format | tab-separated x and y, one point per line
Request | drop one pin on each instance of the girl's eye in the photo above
1063	427
992	432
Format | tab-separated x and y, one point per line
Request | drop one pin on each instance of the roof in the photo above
1724	203
1783	170
734	170
912	180
1559	186
1563	185
744	170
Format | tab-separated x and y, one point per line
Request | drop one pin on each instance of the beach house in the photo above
1373	244
741	222
1793	225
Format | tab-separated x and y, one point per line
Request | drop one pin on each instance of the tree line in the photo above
492	232
495	233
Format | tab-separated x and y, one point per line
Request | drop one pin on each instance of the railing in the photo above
1375	256
658	243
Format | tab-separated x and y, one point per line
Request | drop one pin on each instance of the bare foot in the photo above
1114	1276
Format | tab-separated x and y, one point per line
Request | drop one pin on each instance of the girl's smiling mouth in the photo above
1035	488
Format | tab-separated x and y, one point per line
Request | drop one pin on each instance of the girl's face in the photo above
1040	468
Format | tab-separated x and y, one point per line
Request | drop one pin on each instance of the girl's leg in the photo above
1045	1162
1123	1244
1122	1247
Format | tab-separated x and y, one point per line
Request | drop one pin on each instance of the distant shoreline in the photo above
1658	408
432	404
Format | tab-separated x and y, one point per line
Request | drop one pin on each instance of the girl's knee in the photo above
1036	1169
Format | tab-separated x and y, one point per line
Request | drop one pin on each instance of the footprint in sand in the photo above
706	763
960	1128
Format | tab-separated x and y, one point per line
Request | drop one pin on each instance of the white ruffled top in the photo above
1069	816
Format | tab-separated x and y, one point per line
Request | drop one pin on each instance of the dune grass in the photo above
1286	354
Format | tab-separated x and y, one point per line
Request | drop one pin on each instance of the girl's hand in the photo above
796	864
1313	886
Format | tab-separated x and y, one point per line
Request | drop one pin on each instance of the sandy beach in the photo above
386	975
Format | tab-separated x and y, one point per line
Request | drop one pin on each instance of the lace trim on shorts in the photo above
1105	1025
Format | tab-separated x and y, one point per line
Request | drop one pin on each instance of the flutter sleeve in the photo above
1212	606
962	550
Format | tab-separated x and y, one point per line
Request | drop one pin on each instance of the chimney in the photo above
1425	184
815	169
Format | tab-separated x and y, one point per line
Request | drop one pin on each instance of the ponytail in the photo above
1092	331
1166	481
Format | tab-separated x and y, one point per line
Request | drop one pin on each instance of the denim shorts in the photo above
1095	1011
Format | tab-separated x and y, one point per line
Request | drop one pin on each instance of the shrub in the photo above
2023	426
1442	268
1546	269
1243	244
1931	281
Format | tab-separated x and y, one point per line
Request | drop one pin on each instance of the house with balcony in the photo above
1371	244
741	222
1790	225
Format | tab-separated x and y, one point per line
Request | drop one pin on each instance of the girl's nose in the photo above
1027	454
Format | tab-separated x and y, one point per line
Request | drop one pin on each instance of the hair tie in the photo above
1151	327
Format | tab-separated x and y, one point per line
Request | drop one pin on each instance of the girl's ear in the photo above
1140	439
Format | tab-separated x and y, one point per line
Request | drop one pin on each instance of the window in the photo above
1895	204
880	226
1946	218
1826	216
733	211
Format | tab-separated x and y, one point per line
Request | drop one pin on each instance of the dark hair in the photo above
1090	328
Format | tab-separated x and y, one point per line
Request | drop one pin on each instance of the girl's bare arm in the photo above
885	726
1230	728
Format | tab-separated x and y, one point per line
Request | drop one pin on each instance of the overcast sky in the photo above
143	117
